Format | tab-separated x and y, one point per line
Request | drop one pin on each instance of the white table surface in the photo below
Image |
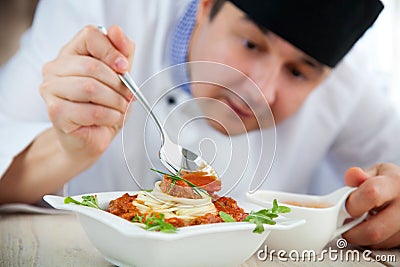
31	239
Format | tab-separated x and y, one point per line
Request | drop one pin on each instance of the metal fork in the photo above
173	156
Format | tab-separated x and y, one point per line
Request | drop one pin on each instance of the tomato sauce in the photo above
124	208
203	180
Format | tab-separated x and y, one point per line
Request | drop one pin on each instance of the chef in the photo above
262	89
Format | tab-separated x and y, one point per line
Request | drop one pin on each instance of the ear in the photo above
203	10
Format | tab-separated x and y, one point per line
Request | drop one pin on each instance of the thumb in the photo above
355	176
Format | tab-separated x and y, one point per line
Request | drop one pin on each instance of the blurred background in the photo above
381	44
15	17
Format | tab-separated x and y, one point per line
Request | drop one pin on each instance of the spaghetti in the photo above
173	207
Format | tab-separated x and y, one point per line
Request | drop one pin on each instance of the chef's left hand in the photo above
378	193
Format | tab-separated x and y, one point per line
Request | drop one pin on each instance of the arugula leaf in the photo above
155	223
69	199
138	218
89	201
265	216
226	217
279	209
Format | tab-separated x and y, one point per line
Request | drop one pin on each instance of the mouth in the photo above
242	111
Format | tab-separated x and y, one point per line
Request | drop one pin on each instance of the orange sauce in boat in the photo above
320	205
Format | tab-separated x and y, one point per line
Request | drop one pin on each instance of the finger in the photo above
376	229
391	242
388	169
355	176
373	193
121	42
84	66
85	114
85	90
373	171
92	42
68	116
383	169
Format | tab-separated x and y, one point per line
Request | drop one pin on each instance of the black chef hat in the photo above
324	29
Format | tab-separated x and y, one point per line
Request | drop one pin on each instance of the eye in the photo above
249	44
296	73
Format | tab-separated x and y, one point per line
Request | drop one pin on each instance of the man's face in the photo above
284	75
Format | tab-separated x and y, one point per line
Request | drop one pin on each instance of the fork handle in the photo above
132	86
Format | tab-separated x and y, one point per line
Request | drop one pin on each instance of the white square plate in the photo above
126	244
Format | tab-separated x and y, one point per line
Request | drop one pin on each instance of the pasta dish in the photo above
180	200
188	199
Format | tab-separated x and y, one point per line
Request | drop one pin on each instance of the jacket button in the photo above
171	100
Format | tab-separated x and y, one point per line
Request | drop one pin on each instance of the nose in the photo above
266	77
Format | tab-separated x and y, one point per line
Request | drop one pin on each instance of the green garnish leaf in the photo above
88	201
259	228
226	217
69	199
279	209
265	216
138	218
172	186
156	223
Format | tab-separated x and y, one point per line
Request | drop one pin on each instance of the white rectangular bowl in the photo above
126	244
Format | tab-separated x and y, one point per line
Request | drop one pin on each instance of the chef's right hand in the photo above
85	99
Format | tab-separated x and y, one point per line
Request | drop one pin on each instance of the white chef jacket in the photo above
347	121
